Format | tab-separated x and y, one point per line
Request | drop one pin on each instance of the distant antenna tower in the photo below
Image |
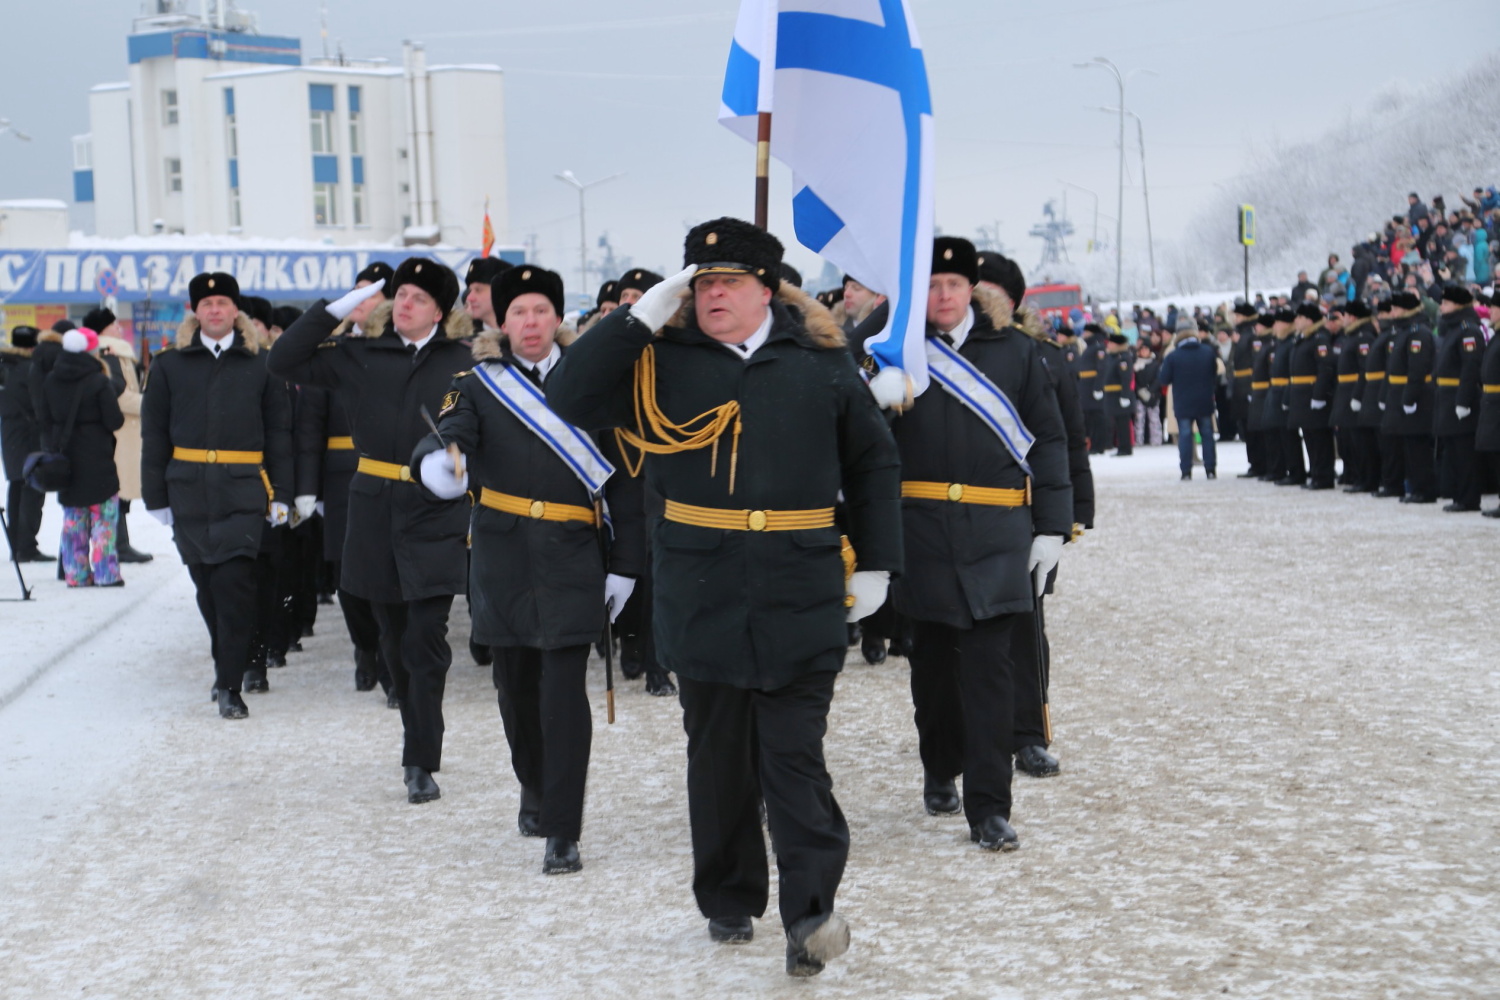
1053	232
323	17
988	238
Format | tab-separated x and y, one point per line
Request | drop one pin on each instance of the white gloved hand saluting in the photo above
438	476
868	588
1409	408
1356	405
279	514
340	308
1318	404
306	506
162	514
660	302
617	590
1462	411
1046	550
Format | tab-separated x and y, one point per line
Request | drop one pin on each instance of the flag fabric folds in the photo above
846	83
488	233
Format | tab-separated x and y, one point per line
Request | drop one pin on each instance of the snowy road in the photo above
1277	711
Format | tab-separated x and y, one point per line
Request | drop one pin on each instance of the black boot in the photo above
940	797
561	857
482	655
872	646
994	833
659	683
420	787
231	705
366	668
529	819
731	930
813	941
123	549
255	683
1037	762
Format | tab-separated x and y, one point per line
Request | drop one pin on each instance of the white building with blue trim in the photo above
222	131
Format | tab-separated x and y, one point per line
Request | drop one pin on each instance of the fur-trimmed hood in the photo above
490	346
249	336
821	330
1003	313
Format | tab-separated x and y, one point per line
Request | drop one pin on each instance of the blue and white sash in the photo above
526	402
958	376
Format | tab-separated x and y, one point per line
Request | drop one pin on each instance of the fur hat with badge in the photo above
485	270
608	292
99	319
1310	310
375	271
23	337
211	283
955	255
1458	295
637	279
429	275
998	269
733	246
526	278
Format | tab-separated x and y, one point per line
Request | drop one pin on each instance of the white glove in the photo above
1462	411
891	388
437	476
660	302
1382	404
1124	403
868	588
162	514
1046	550
305	505
319	508
279	514
1356	405
341	307
1318	404
1098	394
1409	408
617	590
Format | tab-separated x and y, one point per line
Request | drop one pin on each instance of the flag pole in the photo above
763	169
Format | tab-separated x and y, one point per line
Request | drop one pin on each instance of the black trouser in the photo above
23	509
1392	463
267	608
748	745
1460	471
1273	453
545	708
1421	464
1031	654
635	627
226	599
1291	453
1255	452
1123	425
964	690
1097	422
364	630
1367	447
1228	426
302	576
1319	454
414	644
1343	444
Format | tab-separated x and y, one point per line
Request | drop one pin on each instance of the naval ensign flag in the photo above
847	84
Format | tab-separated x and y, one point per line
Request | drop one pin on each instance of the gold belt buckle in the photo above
405	474
538	508
955	492
756	521
211	456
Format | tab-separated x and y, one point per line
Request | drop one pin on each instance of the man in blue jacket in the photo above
1191	370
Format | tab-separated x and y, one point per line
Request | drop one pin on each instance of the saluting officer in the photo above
1242	357
1409	407
1456	377
539	581
753	418
403	553
217	466
1313	376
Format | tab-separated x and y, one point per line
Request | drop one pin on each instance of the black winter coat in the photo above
229	403
1350	348
323	471
1117	381
1278	402
967	562
91	445
43	356
1455	373
19	436
1059	365
1409	378
1487	438
1314	377
1260	380
402	545
532	582
1371	412
1090	364
1242	358
753	609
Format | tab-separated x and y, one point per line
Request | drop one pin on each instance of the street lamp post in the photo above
1140	132
1095	241
1120	80
568	177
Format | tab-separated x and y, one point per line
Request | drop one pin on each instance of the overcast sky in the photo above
601	87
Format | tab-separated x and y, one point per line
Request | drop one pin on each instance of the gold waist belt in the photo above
384	470
540	510
1402	379
959	493
1260	385
1087	374
1374	376
1448	383
1491	389
749	520
1304	380
1346	379
1243	372
341	444
1279	382
213	456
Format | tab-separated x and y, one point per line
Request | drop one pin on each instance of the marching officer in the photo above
1392	482
479	282
540	582
1313	377
1117	376
752	419
1410	399
217	468
404	554
1357	447
1456	377
1242	358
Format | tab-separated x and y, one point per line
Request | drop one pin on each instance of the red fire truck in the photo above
1054	300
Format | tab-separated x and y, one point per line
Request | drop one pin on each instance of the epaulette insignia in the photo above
329	343
466	371
449	401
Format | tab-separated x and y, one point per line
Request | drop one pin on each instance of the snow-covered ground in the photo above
1278	714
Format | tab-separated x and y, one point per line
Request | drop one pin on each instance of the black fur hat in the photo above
734	246
955	255
638	278
1245	309
63	326
791	275
24	336
1094	328
1118	338
1284	315
1459	294
374	272
518	281
608	292
1310	310
998	269
99	319
1406	300
1266	320
216	283
1357	309
484	270
429	275
285	316
256	308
